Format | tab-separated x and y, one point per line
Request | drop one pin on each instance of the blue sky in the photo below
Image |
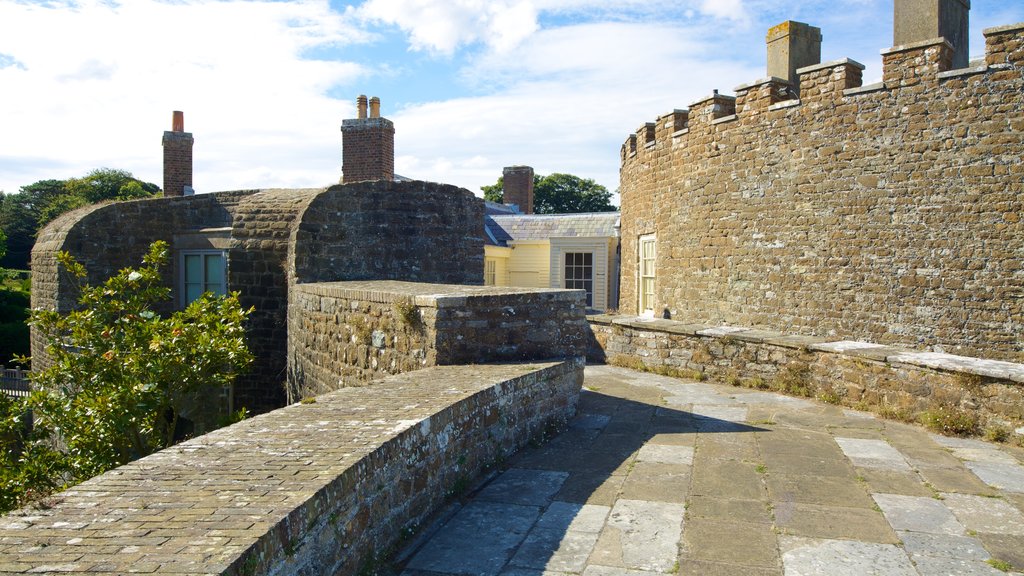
472	85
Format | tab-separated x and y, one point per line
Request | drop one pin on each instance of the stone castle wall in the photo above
344	334
414	231
889	213
273	239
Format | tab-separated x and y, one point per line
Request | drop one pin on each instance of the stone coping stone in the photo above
1004	29
970	70
206	505
865	89
722	331
865	350
830	64
659	324
760	82
953	363
755	336
917	45
795	341
430	295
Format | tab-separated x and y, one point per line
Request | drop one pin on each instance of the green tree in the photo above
24	213
121	377
560	194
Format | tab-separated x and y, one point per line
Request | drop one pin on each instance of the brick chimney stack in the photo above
792	45
367	145
518	187
921	20
177	158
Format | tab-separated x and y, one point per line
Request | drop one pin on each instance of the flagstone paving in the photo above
664	476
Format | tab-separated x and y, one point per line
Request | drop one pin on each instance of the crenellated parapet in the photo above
927	63
889	212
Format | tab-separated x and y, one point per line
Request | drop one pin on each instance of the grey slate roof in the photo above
503	228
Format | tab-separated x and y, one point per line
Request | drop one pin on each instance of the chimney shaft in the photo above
518	187
792	45
177	157
367	145
361	106
920	20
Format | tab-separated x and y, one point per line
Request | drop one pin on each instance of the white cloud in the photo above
442	26
576	94
94	85
728	9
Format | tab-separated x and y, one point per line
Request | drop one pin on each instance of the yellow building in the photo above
576	251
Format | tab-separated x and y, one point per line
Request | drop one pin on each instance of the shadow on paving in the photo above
622	462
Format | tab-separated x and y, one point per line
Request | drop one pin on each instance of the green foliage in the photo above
997	433
29	466
1001	565
950	420
408	313
24	213
14	311
560	194
121	377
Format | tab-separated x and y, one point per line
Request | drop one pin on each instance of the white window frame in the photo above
645	298
593	274
223	281
490	272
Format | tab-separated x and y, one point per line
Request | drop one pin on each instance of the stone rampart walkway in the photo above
661	476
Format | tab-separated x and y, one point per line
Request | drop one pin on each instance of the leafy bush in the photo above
121	377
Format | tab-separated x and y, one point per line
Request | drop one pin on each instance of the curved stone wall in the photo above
889	213
313	488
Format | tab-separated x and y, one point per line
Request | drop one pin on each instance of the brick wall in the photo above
177	162
518	187
368	149
887	213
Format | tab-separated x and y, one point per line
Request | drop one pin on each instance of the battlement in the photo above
926	63
887	212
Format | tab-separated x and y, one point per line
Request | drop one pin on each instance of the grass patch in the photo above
408	313
1001	565
830	398
950	421
997	433
635	363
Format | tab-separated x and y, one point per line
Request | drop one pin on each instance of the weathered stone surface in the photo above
313	488
890	214
347	333
776	499
854	372
415	231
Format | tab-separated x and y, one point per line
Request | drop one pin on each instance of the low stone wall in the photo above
858	374
313	488
347	333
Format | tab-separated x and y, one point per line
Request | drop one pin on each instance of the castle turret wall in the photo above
889	213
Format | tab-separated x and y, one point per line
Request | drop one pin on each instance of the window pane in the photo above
192	291
193	269
588	258
214	269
